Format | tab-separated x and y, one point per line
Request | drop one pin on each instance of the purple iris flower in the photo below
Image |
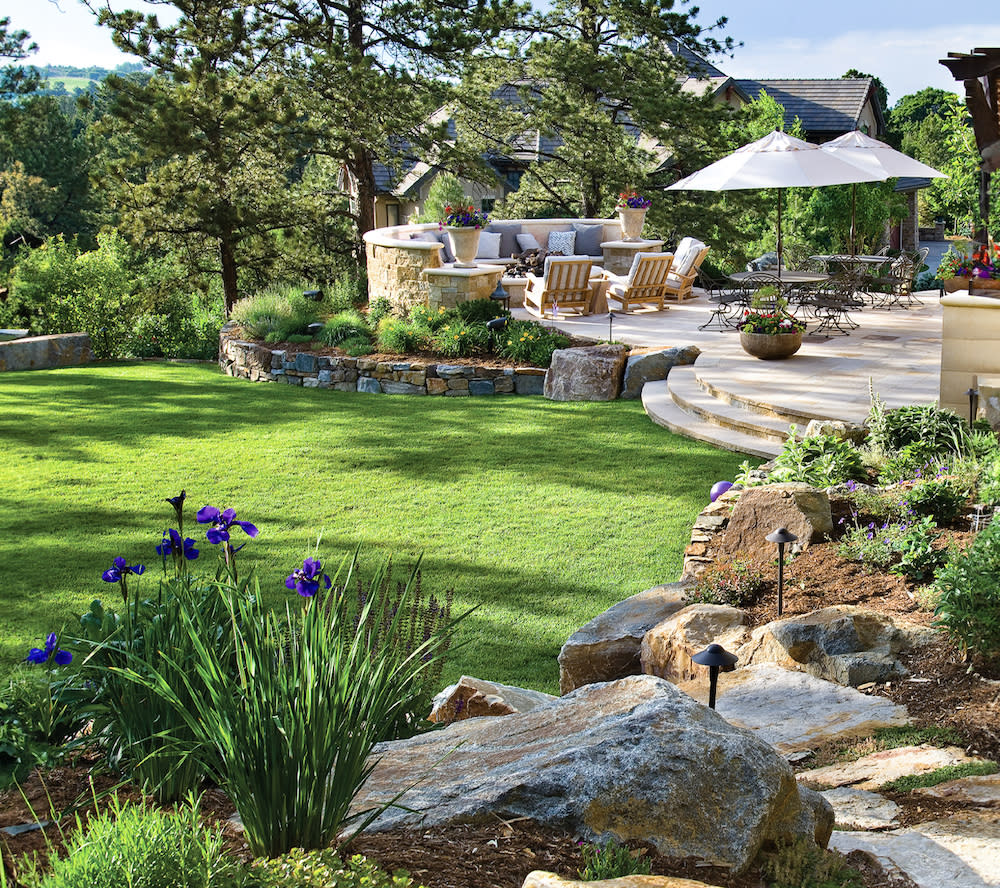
221	522
172	544
852	486
119	570
50	654
306	579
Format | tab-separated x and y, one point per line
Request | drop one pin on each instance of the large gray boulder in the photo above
475	697
653	365
607	647
845	644
798	507
635	760
592	373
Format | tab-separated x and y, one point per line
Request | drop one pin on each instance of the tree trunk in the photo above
228	274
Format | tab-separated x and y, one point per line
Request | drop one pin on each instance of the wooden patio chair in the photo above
645	284
566	285
688	256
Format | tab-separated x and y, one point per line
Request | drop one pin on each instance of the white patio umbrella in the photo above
877	157
777	161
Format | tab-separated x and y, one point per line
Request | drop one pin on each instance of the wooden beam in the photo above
984	118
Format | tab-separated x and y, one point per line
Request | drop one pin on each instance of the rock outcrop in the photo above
592	373
801	509
474	697
668	647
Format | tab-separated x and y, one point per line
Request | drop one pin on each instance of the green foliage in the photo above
378	309
528	343
346	325
181	328
58	289
803	864
347	292
891	430
458	340
969	606
278	311
937	498
133	845
819	460
479	311
289	732
445	190
737	583
432	319
919	558
893	738
874	546
398	336
911	461
612	861
321	869
909	782
989	482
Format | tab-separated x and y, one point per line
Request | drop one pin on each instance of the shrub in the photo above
347	292
432	319
180	328
346	325
819	460
378	309
737	583
937	498
911	461
918	557
321	869
969	605
136	846
940	430
459	340
803	864
479	311
400	337
873	545
528	343
355	346
275	313
989	482
612	861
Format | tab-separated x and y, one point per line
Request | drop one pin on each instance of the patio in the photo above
740	403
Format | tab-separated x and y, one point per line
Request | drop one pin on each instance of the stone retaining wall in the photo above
45	352
258	363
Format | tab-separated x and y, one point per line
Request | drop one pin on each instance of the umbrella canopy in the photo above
776	161
874	156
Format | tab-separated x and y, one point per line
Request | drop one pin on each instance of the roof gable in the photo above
823	106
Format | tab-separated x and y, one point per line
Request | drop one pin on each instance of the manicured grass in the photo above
543	514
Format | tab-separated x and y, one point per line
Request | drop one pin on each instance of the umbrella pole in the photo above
854	194
781	248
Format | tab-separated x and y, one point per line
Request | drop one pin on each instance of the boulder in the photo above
607	647
634	760
649	365
858	809
592	373
474	697
846	431
541	879
801	509
668	647
794	711
845	644
871	771
815	817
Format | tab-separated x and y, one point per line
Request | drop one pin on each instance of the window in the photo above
487	204
392	214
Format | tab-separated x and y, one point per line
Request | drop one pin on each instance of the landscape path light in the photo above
973	395
715	657
501	295
611	323
782	537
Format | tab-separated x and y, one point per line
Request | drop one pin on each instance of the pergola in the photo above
979	70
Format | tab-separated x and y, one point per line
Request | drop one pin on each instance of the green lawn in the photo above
543	513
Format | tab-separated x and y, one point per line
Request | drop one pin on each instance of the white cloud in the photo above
905	59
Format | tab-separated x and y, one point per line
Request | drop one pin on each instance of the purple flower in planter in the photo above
50	654
119	570
173	545
221	522
306	579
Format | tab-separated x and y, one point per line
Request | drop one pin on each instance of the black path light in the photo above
501	295
497	324
715	657
782	537
973	395
611	323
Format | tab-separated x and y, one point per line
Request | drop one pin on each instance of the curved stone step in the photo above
662	410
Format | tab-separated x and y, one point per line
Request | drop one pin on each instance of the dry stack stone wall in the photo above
258	363
396	273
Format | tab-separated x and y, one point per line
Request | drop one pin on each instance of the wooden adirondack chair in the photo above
645	284
687	260
566	284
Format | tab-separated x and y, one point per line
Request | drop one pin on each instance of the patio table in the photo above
848	259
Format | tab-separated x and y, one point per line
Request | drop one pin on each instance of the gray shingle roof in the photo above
823	106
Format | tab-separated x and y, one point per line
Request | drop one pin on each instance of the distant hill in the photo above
70	80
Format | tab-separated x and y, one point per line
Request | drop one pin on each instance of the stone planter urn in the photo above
771	346
632	221
465	245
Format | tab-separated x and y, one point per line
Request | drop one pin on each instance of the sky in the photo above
897	40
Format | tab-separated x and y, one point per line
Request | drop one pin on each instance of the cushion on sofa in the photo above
562	242
448	256
527	242
489	245
508	236
588	239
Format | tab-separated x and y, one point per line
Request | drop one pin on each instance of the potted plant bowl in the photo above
768	331
464	225
632	208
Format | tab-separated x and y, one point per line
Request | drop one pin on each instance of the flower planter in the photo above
984	286
953	285
465	245
771	346
632	221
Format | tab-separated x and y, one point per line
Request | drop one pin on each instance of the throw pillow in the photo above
562	242
447	254
489	245
588	239
527	242
508	236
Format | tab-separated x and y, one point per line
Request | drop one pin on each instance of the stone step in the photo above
688	394
662	410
